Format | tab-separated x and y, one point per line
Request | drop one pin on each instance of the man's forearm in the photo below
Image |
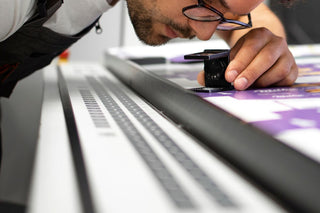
262	16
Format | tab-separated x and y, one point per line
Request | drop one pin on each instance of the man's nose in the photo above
203	30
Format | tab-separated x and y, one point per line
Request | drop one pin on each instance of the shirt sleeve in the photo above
13	14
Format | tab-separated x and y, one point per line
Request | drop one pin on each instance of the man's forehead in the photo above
239	7
222	2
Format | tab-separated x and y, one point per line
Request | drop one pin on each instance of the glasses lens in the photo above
201	14
230	26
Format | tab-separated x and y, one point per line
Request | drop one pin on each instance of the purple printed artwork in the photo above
284	112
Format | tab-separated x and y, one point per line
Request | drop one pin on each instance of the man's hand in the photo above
261	59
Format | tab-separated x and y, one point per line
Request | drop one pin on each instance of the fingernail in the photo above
241	83
231	75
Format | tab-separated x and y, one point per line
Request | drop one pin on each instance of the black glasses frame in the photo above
221	18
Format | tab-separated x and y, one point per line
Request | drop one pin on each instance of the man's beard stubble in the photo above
142	21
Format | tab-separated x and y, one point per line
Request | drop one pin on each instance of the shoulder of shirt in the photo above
14	15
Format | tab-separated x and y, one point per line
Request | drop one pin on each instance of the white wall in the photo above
92	46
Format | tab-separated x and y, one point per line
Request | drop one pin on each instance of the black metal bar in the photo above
77	154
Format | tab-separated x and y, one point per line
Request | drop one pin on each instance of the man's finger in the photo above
245	52
200	78
267	58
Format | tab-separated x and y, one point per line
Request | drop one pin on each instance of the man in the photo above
34	31
259	56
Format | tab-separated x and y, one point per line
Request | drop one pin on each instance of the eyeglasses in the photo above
205	13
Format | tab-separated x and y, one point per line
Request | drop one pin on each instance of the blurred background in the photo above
300	20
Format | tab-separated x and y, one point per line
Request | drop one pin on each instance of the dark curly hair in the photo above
287	2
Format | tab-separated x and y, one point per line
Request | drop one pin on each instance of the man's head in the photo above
157	21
